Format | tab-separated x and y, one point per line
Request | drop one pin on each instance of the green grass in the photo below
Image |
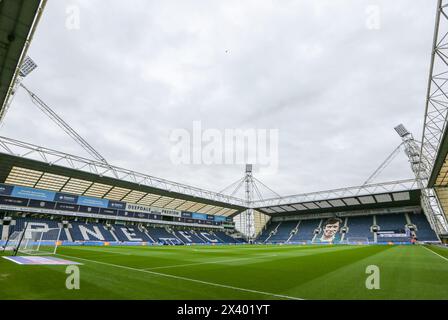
234	272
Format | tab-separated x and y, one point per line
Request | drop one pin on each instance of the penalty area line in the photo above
187	279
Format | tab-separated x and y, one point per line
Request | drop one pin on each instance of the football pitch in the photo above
234	272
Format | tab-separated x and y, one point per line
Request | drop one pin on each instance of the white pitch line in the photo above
187	279
444	258
231	260
208	262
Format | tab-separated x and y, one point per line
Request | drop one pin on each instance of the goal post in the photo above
41	241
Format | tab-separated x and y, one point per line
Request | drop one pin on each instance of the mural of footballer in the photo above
330	230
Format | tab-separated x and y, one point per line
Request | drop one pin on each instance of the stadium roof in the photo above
28	165
17	22
439	175
381	195
32	166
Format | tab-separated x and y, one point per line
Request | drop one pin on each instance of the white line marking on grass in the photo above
187	279
208	262
444	258
239	259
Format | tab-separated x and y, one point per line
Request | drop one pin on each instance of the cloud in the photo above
313	70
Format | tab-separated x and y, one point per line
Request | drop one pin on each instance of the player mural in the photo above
330	231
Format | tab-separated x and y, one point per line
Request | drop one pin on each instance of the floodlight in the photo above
401	130
27	67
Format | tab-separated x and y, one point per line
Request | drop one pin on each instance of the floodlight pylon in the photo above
253	191
419	164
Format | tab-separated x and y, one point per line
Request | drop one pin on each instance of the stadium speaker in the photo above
7	221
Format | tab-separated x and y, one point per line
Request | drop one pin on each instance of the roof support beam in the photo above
51	157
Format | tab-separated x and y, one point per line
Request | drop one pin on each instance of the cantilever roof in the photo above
390	194
16	22
32	166
38	167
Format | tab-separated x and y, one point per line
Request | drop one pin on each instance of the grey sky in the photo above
136	70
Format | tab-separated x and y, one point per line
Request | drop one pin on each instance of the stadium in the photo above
75	227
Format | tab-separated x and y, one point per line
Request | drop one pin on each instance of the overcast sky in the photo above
333	77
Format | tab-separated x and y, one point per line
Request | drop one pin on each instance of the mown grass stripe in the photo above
187	279
444	258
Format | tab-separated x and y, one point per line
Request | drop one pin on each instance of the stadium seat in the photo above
283	232
359	228
161	235
90	232
424	231
306	230
188	236
392	222
266	234
130	233
225	238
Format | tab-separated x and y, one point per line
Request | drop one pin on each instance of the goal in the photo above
42	241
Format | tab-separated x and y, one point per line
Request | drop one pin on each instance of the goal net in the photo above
43	241
358	240
12	242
